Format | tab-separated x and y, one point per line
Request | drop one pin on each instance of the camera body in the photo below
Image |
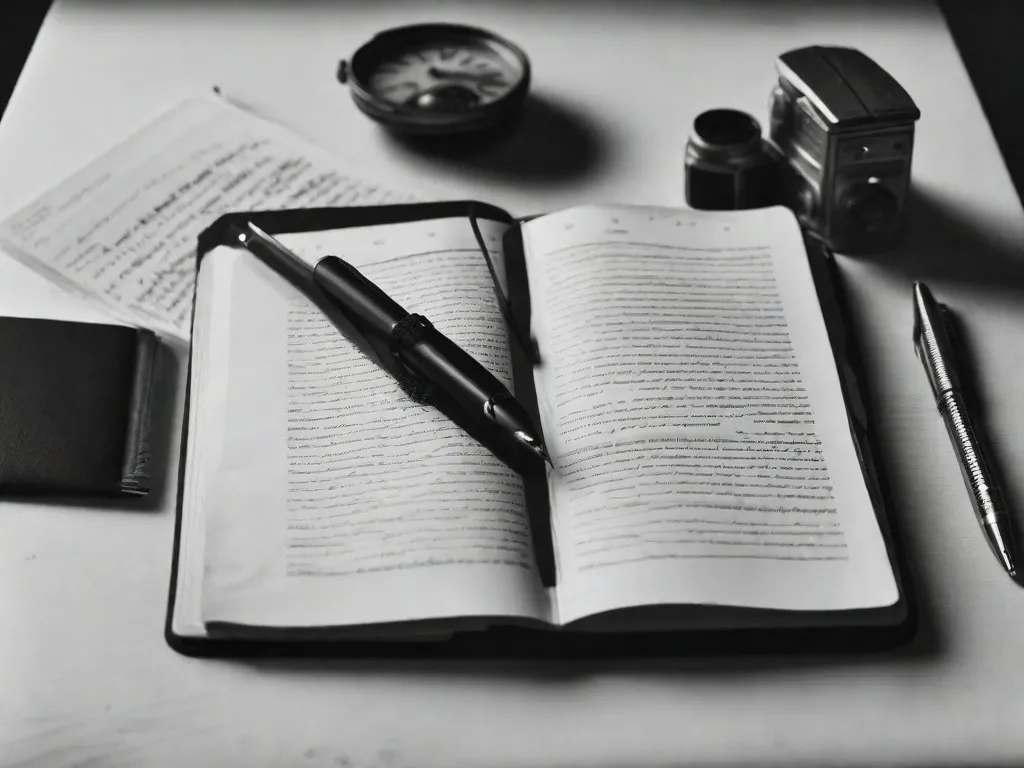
842	131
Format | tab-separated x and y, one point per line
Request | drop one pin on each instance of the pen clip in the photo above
952	329
933	343
961	360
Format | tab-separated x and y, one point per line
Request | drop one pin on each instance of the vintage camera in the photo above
840	141
844	129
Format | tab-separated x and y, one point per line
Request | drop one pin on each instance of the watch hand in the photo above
445	74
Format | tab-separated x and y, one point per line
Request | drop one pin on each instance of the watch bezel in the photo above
399	118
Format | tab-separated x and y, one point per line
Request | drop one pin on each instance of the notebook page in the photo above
124	228
208	383
343	502
692	406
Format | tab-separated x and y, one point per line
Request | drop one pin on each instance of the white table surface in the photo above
85	676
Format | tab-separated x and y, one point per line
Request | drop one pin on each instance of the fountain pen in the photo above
933	345
434	361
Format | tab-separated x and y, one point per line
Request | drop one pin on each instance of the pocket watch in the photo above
437	79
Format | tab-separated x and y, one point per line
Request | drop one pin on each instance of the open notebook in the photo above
708	479
708	474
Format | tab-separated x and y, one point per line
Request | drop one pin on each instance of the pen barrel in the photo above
274	255
986	496
364	304
447	366
420	347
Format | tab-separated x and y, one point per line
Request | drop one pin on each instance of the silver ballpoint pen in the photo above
934	348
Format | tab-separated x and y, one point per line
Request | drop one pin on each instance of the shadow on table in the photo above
550	143
559	670
163	439
944	245
970	380
708	662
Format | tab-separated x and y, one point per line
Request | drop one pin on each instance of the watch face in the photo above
438	77
434	76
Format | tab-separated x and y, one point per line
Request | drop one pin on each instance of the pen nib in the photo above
532	444
1009	565
999	541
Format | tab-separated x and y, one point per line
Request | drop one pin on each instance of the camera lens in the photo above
727	166
870	207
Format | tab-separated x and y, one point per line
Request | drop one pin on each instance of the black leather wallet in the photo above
75	407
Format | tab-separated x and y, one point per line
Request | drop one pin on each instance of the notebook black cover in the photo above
75	401
863	632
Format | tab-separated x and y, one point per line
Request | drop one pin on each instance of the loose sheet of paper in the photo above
342	501
692	404
124	228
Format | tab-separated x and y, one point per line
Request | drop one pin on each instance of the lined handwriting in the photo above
682	419
125	229
377	482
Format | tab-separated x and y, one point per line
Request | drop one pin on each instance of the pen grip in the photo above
447	366
986	496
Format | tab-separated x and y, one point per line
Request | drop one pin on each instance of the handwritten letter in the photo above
125	227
